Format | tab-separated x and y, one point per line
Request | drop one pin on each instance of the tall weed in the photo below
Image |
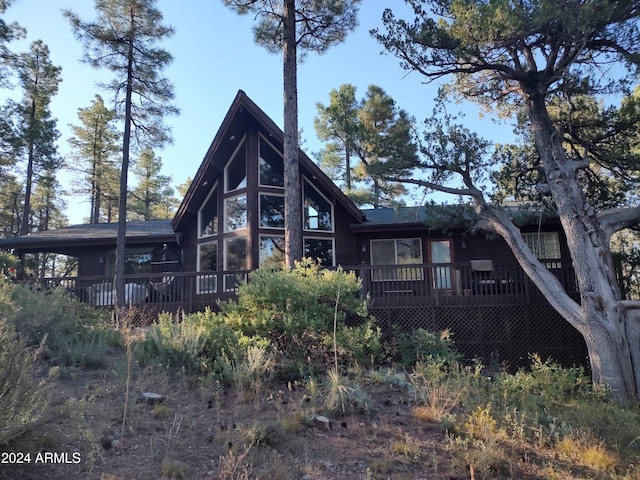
20	406
174	342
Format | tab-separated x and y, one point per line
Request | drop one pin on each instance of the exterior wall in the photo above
464	246
91	261
346	244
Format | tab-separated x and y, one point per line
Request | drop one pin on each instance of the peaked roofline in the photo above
242	103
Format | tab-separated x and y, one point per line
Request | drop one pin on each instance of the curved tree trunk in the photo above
601	319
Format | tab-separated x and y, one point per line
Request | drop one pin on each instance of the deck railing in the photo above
384	285
456	284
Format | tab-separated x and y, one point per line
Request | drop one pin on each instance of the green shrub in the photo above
294	309
421	344
198	343
361	344
177	342
19	406
545	383
73	333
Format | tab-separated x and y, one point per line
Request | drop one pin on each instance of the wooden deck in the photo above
385	286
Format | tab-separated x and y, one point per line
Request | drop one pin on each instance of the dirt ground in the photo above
204	431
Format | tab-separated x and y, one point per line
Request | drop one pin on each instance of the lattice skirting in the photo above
496	334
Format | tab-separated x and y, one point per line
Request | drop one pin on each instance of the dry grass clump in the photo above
584	449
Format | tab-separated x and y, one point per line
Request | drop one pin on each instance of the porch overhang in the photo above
76	238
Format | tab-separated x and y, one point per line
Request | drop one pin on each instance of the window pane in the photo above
272	252
208	257
441	253
317	210
544	245
382	252
236	171
133	263
235	253
271	211
401	251
235	213
271	166
208	261
209	215
319	249
137	263
409	250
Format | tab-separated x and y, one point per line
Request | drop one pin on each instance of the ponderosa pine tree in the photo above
7	34
94	151
36	129
367	139
504	55
48	207
124	39
153	198
293	28
337	124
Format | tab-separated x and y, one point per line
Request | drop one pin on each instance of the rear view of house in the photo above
419	266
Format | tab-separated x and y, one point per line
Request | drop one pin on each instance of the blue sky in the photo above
214	57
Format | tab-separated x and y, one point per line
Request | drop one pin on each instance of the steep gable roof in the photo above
243	112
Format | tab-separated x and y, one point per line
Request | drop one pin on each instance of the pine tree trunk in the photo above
26	213
292	187
122	205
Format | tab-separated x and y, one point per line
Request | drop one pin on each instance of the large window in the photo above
235	172
544	245
235	259
271	211
440	252
272	251
320	249
318	211
401	251
134	262
207	262
208	218
271	165
235	213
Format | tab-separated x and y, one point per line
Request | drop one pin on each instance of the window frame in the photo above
225	218
212	193
232	157
305	182
260	184
207	275
333	247
442	275
269	194
531	237
225	263
381	275
260	238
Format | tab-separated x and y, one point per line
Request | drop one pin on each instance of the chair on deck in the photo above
163	289
483	277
